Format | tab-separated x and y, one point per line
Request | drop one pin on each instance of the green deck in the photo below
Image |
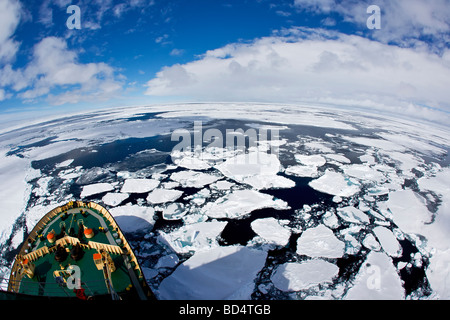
44	283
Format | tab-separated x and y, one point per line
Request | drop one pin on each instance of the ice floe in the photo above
296	276
15	191
436	244
367	158
189	160
174	211
133	218
55	148
42	186
308	166
318	146
114	199
370	242
364	172
222	185
320	242
409	212
388	241
302	171
272	231
352	245
158	196
194	179
257	169
96	188
65	163
336	184
310	160
169	261
193	237
70	174
380	144
300	115
330	220
220	273
377	279
353	215
139	185
240	203
337	157
412	143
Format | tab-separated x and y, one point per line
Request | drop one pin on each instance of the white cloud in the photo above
403	21
177	52
95	13
9	19
316	5
53	66
314	66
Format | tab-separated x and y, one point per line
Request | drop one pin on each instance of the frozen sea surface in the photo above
223	273
342	205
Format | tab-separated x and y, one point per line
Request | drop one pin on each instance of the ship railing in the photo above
107	247
67	240
109	217
36	254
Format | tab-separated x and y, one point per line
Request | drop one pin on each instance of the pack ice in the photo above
320	242
240	203
221	273
257	169
296	276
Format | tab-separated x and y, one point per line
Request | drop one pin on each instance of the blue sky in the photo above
131	52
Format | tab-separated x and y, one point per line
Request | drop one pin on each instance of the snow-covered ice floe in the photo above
320	242
240	203
189	160
96	188
412	216
257	169
220	273
302	171
193	237
159	196
194	179
296	276
336	184
133	218
15	191
272	231
353	215
308	166
388	241
139	185
377	279
173	211
114	199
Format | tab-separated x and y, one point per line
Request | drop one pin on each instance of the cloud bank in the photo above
9	20
314	65
408	23
53	71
